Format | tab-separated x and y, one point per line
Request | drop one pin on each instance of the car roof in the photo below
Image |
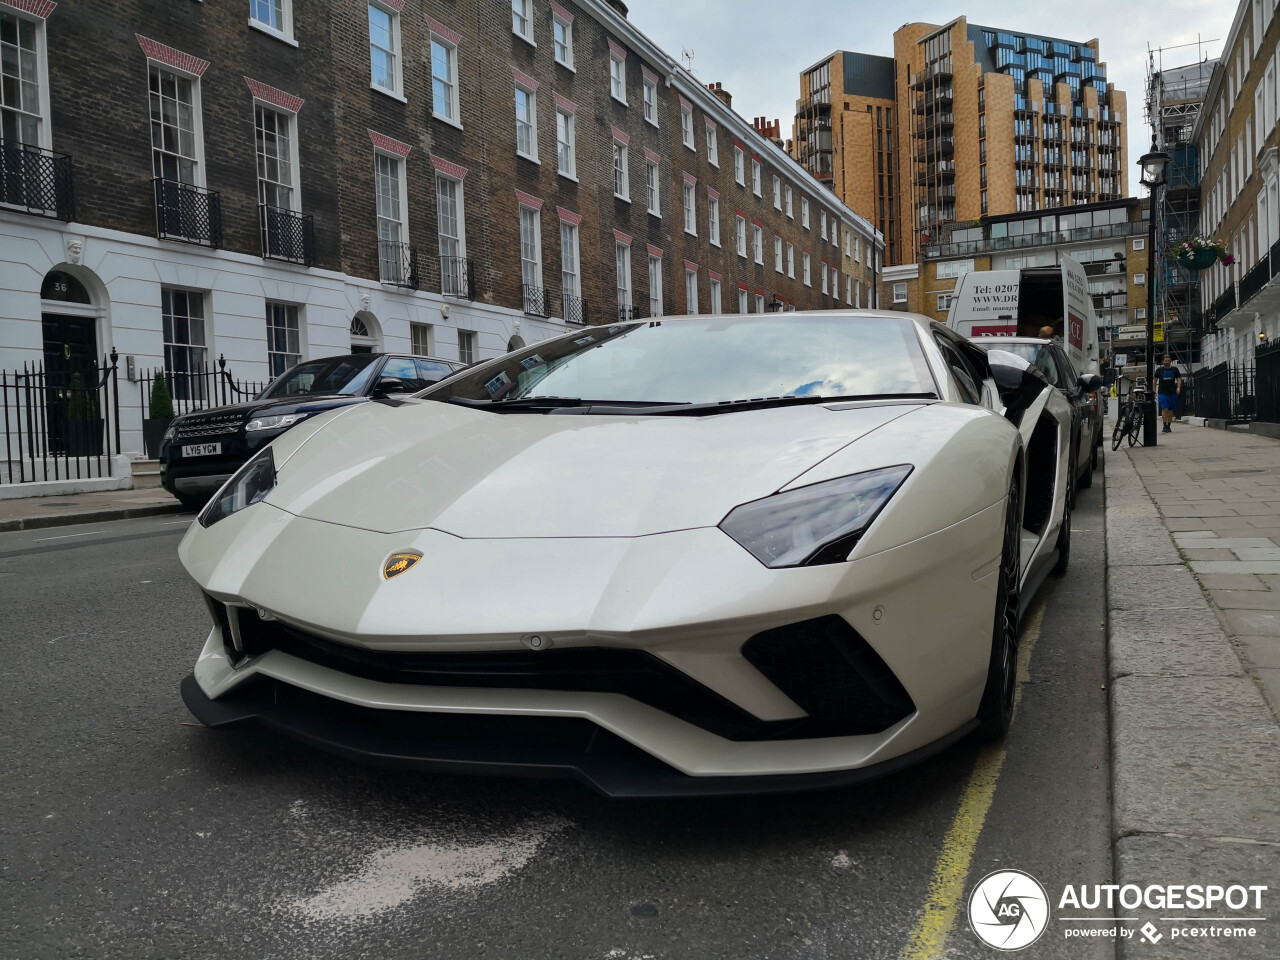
1039	340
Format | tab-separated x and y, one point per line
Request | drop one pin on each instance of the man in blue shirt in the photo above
1170	385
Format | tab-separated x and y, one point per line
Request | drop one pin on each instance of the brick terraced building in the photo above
272	180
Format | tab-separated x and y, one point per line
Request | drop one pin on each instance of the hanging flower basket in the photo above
1200	253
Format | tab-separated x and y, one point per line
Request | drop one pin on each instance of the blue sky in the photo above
757	49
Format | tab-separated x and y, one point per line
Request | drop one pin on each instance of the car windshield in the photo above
1038	355
709	360
335	375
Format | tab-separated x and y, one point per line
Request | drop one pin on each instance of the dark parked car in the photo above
1051	359
200	450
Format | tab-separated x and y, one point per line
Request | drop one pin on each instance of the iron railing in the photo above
398	264
60	422
200	387
535	300
1220	307
1267	382
1226	392
38	181
187	213
457	276
632	311
1252	282
575	309
287	235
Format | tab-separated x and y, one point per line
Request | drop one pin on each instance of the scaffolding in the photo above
1174	98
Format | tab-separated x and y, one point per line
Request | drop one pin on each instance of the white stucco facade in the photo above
125	273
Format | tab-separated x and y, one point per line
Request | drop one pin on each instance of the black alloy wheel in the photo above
995	712
1086	475
1063	545
1135	425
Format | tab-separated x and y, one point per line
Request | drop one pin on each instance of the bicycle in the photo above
1129	417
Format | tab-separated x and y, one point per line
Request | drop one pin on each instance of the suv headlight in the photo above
279	422
820	523
247	486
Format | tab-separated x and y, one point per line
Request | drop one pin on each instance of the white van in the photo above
1018	303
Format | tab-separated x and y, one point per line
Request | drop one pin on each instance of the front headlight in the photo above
250	484
280	422
820	523
170	432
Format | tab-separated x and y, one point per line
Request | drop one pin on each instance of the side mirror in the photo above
389	385
1090	382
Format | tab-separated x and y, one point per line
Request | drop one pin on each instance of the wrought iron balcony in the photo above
398	264
1257	278
457	277
287	235
535	300
1224	305
37	181
187	213
631	311
575	309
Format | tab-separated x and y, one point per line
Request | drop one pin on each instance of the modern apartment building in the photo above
845	136
1237	140
972	121
1109	239
272	180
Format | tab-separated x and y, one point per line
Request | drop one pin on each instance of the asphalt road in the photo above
130	831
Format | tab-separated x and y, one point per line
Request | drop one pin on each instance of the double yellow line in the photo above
946	890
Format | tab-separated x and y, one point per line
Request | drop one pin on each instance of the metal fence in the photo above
60	422
1267	382
199	388
1225	392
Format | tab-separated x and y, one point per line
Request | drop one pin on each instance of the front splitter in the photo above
509	746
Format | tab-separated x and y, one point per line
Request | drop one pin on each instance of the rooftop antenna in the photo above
686	55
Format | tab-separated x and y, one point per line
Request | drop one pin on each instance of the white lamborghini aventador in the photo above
688	555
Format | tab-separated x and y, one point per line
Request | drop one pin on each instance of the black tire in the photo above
1135	425
1086	475
1117	434
995	711
190	502
1063	545
1093	455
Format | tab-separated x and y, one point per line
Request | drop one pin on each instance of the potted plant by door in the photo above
82	435
161	413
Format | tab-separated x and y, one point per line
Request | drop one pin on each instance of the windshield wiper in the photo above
549	403
764	403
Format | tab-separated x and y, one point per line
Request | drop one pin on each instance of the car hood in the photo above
308	404
476	474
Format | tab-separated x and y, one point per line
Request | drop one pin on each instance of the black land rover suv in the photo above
201	450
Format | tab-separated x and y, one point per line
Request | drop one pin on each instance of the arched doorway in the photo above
69	329
365	333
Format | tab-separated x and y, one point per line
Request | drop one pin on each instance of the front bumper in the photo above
690	599
511	746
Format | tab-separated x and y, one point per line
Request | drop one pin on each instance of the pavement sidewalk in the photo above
33	512
1193	616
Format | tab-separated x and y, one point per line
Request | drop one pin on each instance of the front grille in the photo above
833	674
632	673
209	424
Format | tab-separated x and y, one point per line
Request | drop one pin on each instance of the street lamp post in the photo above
776	305
1152	165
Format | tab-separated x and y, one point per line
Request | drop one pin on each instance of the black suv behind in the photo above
201	450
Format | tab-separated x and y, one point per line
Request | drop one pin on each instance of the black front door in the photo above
71	382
